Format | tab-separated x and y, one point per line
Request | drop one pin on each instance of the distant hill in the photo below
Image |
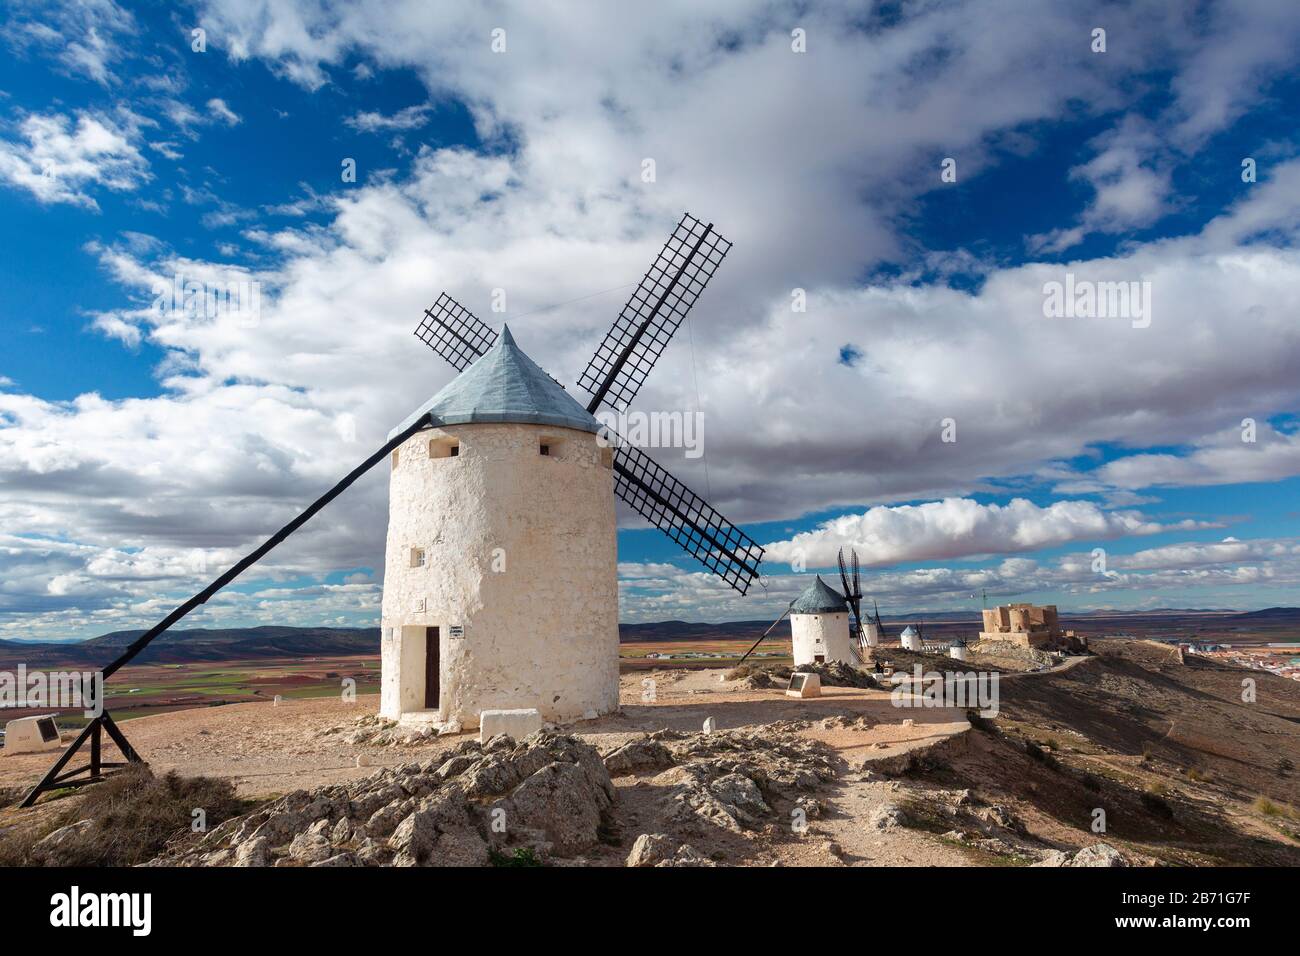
199	644
253	643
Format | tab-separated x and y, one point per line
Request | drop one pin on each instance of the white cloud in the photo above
1192	574
86	37
245	429
1222	458
167	148
58	161
1130	180
412	117
220	112
958	528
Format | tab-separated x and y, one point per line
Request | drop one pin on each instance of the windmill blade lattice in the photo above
684	516
643	329
454	332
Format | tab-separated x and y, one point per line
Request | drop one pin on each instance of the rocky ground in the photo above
844	779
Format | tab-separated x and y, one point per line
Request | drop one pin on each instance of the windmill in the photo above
630	349
562	662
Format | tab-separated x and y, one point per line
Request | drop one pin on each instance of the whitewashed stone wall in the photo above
825	634
521	552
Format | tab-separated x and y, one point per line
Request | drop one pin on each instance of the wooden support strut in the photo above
103	723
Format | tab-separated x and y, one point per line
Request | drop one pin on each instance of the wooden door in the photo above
431	687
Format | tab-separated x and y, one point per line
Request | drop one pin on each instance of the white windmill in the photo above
500	587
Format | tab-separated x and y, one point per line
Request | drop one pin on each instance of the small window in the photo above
546	449
454	452
417	557
444	448
395	451
607	457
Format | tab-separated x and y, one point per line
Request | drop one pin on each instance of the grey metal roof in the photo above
504	385
819	598
908	631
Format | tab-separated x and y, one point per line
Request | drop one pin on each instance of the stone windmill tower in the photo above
819	626
500	587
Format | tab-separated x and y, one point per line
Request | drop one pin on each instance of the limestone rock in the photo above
643	754
888	817
461	846
651	849
559	800
253	852
310	848
1053	858
687	855
740	792
1099	854
339	859
56	848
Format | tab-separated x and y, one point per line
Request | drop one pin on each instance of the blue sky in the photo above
141	451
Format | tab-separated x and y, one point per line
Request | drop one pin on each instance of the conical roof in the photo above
819	598
504	385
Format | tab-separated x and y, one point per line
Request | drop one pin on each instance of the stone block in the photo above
804	685
517	724
25	735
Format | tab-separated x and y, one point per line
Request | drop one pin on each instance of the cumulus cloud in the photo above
958	528
1130	181
1197	574
253	420
59	160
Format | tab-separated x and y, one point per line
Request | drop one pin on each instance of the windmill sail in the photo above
454	332
853	595
645	326
684	516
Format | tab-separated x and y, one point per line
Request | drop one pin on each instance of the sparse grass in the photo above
134	814
1280	811
522	856
1199	775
